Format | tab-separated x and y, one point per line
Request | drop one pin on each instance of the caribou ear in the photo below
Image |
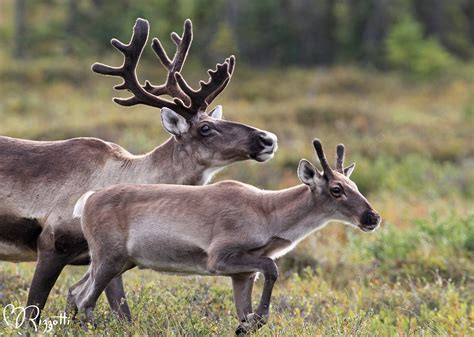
173	122
217	112
307	173
349	169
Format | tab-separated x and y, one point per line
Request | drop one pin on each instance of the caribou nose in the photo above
266	146
370	220
267	139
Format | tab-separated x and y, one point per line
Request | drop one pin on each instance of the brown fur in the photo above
227	228
40	181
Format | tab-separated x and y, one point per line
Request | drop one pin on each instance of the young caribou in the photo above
41	181
228	228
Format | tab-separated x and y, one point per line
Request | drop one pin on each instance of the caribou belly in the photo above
18	238
16	253
169	255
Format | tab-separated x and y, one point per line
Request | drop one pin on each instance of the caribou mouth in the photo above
369	228
264	156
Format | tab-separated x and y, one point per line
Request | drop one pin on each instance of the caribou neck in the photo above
171	163
296	212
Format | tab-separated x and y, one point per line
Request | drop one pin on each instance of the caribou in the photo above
40	181
227	228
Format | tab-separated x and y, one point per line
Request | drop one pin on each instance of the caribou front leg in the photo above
242	262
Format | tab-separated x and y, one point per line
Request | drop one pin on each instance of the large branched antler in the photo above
208	91
171	87
127	71
186	101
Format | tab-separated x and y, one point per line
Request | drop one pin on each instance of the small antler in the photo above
340	158
322	158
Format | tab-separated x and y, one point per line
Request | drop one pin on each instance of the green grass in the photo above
412	282
413	144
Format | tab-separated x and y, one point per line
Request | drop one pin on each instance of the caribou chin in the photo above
370	228
265	156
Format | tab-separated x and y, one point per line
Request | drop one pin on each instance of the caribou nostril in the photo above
370	218
265	140
375	218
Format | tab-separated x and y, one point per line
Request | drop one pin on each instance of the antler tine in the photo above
170	87
127	71
340	158
183	44
208	91
322	158
211	97
176	39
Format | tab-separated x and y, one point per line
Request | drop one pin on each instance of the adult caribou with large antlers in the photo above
227	228
41	181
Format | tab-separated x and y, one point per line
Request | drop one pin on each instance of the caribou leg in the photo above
242	262
71	306
55	251
243	285
116	298
49	266
86	292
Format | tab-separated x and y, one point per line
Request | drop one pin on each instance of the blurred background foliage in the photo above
391	79
420	36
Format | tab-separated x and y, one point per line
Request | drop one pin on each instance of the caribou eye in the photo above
336	191
205	130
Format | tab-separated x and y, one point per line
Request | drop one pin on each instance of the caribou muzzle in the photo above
266	146
369	221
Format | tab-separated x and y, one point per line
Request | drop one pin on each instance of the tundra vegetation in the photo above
413	146
412	140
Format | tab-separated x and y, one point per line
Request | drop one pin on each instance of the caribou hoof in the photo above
251	323
71	307
86	319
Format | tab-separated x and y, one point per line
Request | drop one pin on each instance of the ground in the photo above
413	143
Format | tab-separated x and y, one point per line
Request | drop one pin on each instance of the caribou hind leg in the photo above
71	306
49	266
114	291
117	300
83	295
55	251
242	285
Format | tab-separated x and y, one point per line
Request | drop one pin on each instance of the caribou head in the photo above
212	141
335	190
